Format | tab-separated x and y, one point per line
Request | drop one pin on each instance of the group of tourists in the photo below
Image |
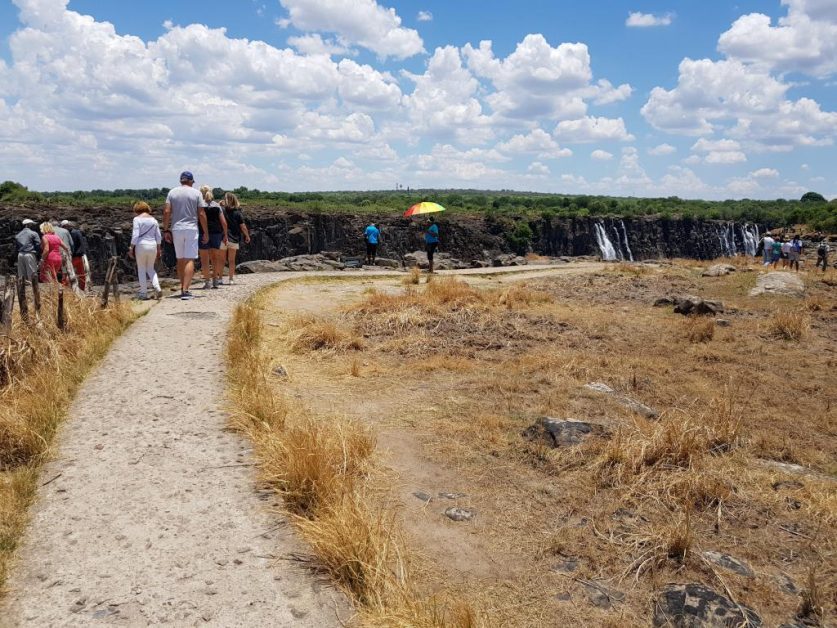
372	237
788	252
52	251
197	226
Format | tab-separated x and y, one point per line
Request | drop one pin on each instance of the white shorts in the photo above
185	243
229	245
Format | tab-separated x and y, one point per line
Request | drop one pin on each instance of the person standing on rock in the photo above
53	250
145	249
210	251
372	235
236	230
822	256
431	241
80	264
776	252
28	244
794	253
767	243
183	212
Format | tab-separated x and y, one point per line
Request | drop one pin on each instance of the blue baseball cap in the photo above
186	176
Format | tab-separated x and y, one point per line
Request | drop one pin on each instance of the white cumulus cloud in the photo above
765	173
424	16
601	155
359	22
637	19
592	129
662	149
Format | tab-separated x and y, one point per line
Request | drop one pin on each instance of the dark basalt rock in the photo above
698	606
561	432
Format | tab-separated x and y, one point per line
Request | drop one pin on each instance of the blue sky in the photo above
645	98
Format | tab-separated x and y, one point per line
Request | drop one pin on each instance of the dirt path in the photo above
149	513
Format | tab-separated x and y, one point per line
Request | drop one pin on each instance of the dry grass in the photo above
313	333
700	329
790	324
325	471
42	368
413	277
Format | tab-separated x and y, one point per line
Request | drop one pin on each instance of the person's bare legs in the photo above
217	265
185	272
204	253
231	261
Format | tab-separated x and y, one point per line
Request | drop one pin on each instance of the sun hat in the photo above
27	221
186	176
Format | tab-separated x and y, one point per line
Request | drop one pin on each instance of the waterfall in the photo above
750	236
625	236
731	238
605	245
618	247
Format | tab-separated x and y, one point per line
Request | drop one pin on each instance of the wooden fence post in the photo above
23	304
108	281
8	304
36	294
61	321
115	282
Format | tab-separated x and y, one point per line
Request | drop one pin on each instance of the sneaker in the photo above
185	296
158	294
214	284
141	297
206	285
231	282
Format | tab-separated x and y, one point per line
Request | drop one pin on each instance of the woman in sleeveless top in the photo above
51	246
211	253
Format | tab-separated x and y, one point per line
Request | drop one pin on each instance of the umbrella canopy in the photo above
423	208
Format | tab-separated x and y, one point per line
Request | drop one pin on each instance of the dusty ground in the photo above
450	399
149	514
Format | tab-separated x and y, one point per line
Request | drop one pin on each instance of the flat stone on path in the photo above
146	527
788	284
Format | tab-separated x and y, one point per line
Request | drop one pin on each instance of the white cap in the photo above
26	221
64	223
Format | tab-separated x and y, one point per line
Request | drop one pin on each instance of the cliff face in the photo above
277	234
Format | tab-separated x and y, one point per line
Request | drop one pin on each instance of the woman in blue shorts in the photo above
211	253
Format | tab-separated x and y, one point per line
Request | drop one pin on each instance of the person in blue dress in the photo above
372	235
431	241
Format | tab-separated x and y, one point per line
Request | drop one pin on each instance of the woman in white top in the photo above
145	247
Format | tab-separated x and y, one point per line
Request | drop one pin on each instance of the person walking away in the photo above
80	264
183	212
236	230
28	246
786	247
795	253
373	237
822	256
68	274
53	250
767	243
210	251
145	249
431	241
776	252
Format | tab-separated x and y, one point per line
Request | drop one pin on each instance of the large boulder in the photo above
387	263
416	258
311	262
788	284
689	304
698	606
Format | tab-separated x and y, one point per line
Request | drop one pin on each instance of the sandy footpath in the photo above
153	516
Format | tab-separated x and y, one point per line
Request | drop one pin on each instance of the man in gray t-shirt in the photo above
184	210
28	245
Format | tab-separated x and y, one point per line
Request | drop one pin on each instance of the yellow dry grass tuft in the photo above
43	367
790	324
700	329
413	278
313	333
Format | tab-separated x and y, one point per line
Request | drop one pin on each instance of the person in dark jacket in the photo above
28	246
80	263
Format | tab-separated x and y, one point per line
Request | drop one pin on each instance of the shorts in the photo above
185	243
793	256
430	248
215	241
232	243
371	249
776	257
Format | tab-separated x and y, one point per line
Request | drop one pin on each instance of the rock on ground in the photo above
688	304
628	402
698	606
719	270
729	562
788	284
561	432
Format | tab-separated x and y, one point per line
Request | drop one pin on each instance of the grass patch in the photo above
792	325
313	333
325	470
700	329
43	368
